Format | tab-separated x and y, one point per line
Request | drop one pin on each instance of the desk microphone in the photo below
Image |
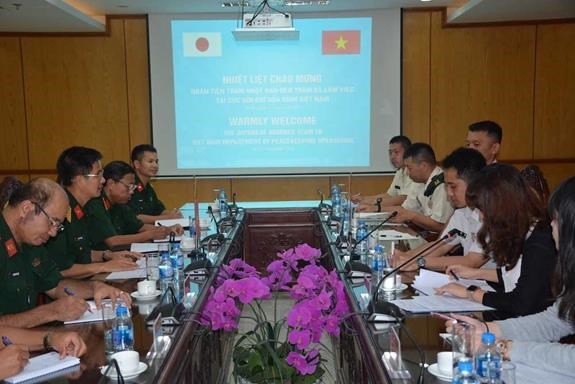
393	310
354	265
233	208
216	237
323	207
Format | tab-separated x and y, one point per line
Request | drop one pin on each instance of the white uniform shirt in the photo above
401	184
437	206
467	221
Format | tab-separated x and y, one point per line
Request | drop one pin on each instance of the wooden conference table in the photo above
197	356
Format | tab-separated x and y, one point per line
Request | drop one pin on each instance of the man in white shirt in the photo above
485	137
401	184
428	207
459	169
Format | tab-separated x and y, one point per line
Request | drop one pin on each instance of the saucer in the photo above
127	376
136	295
402	287
434	370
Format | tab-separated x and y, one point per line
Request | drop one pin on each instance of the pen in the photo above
6	341
69	292
454	275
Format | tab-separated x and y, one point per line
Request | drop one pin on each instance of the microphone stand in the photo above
354	256
119	377
394	309
216	237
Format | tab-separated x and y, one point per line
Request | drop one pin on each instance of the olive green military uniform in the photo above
106	220
430	199
72	245
25	271
145	201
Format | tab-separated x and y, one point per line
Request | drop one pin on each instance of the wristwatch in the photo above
470	290
421	262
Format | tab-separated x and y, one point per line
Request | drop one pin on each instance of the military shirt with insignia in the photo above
431	200
72	245
145	201
25	271
401	184
106	220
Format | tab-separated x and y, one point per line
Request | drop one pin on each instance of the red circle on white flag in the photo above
202	44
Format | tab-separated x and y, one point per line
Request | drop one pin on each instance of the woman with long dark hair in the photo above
533	340
517	236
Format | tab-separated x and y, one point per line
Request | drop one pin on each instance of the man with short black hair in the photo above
485	137
401	185
144	200
34	213
459	167
80	173
428	207
111	222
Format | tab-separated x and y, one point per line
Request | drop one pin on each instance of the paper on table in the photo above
427	280
169	222
89	317
392	234
436	303
139	273
144	247
45	365
167	239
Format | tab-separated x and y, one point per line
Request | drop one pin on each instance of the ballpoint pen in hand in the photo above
69	292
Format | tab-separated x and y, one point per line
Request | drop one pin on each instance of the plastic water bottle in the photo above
465	373
123	330
166	271
177	257
336	206
379	260
361	238
223	200
486	354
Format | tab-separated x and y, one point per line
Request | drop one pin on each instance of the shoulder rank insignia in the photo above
78	212
436	181
11	248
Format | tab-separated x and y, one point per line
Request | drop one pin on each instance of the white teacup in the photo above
445	362
128	361
146	287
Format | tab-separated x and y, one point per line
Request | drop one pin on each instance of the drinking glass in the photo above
463	336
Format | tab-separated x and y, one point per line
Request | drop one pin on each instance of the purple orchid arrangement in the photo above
265	354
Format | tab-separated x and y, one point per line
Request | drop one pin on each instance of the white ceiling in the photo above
89	15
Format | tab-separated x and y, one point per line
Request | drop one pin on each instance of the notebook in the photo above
88	317
44	366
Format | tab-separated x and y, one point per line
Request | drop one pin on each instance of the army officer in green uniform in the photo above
80	172
111	222
144	201
34	213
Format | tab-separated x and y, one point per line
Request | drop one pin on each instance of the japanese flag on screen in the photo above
202	44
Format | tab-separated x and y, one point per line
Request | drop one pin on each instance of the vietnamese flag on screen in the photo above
340	42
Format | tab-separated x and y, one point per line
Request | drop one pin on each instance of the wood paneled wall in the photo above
94	91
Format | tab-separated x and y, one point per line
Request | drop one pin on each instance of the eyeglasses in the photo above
99	174
53	222
131	187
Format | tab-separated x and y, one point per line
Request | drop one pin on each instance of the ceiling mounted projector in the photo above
266	26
